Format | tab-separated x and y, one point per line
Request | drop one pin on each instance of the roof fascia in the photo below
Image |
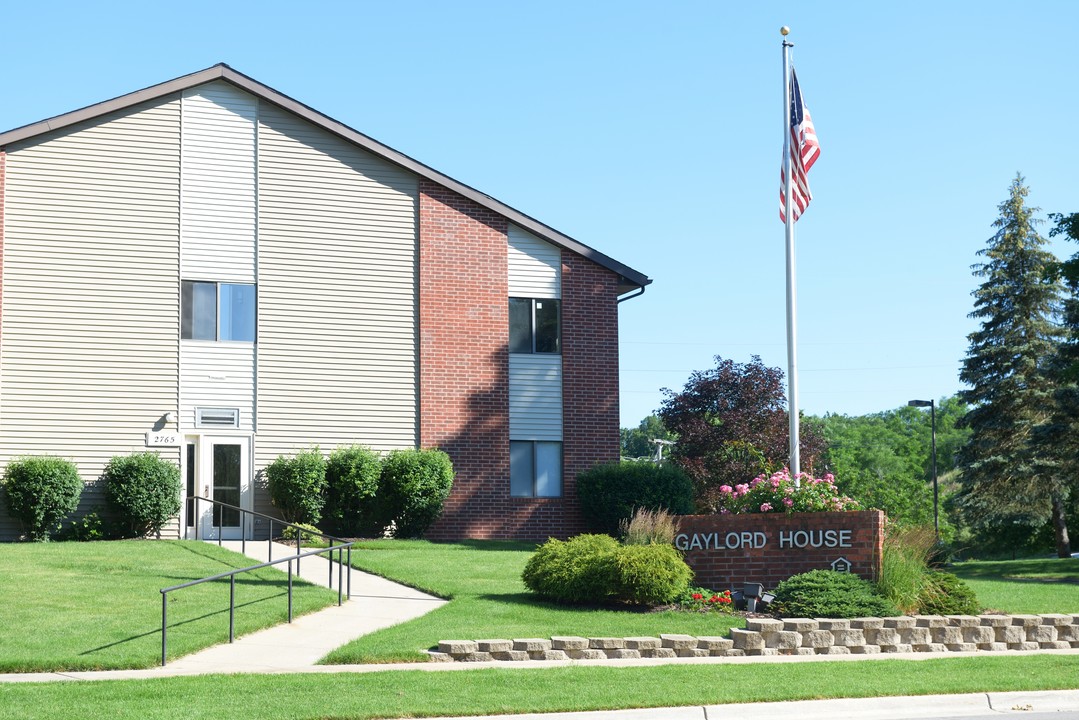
629	278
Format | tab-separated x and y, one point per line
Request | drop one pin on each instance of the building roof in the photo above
630	279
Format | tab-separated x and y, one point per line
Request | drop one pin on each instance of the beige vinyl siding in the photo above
534	266
88	355
535	397
218	199
337	295
218	375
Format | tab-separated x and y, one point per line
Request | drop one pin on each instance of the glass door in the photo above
226	476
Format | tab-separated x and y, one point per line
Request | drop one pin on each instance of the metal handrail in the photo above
231	574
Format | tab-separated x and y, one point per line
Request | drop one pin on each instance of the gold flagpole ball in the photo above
784	31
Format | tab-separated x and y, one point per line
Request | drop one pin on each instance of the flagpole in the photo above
792	352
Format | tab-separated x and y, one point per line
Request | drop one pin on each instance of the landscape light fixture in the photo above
752	593
932	405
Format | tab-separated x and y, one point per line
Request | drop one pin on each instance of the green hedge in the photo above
596	569
945	594
352	476
143	491
611	493
829	594
412	487
297	486
40	492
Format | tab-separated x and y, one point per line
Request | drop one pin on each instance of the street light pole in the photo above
932	405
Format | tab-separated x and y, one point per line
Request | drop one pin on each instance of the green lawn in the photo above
1049	585
344	696
490	601
89	606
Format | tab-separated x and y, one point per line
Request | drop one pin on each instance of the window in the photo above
217	311
535	468
535	325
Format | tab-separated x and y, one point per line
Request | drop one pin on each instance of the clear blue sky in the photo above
652	132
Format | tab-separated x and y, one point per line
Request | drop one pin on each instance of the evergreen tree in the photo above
1005	479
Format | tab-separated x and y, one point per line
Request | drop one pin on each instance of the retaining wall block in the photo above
1056	620
531	644
817	639
996	647
606	643
643	643
569	642
733	652
746	639
586	654
1027	621
803	651
1023	646
866	623
763	651
903	622
929	647
457	647
678	642
493	646
849	638
882	636
833	624
995	621
979	635
783	640
1042	634
715	644
915	635
930	621
1012	634
963	621
623	654
692	652
898	648
1068	632
947	635
764	625
1055	645
961	647
474	657
439	656
865	649
801	625
662	652
511	655
549	655
833	650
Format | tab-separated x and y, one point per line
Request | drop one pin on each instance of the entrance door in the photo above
224	475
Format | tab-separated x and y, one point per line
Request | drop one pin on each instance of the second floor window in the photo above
217	311
535	325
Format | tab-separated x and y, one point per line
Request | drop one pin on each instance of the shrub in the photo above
412	487
297	486
611	493
904	565
649	574
87	528
308	534
352	475
42	491
597	569
778	494
829	594
945	594
143	491
578	570
649	527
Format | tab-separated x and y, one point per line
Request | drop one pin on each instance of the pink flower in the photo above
741	489
724	511
725	489
775	482
787	501
766	507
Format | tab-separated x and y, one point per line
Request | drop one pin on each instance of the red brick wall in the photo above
464	371
736	561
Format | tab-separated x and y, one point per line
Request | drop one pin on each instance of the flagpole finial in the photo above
784	31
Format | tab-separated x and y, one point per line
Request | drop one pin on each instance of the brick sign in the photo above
728	550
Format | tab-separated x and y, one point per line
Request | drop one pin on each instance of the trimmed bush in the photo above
609	494
945	594
412	488
297	486
649	574
143	491
829	594
352	475
308	534
41	492
597	569
579	570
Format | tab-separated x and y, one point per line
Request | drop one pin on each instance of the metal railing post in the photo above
350	571
290	591
232	607
340	577
329	557
269	543
220	525
164	624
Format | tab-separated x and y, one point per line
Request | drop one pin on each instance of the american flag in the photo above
804	152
